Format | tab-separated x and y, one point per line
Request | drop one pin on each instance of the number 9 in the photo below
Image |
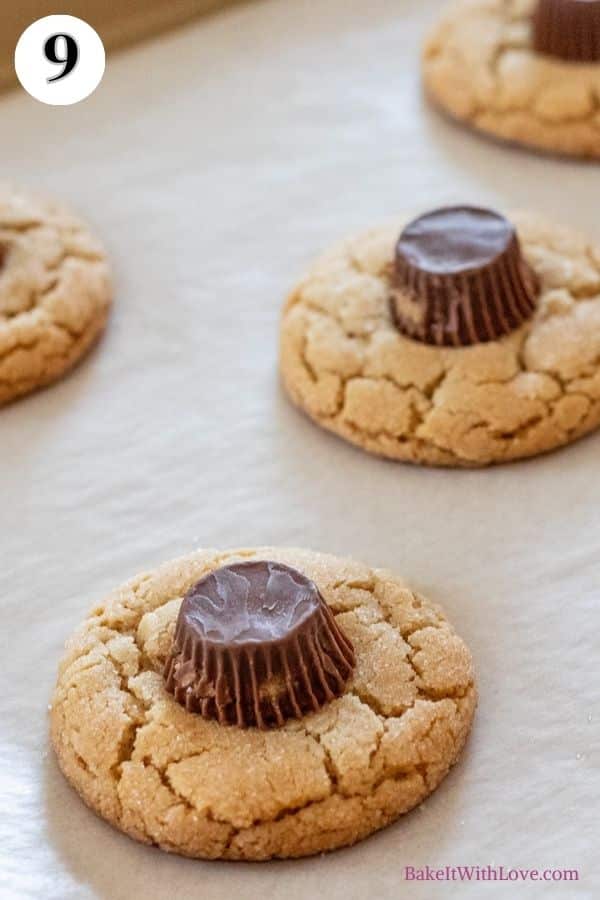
70	60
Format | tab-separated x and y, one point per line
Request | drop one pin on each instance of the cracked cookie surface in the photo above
345	364
480	67
168	777
55	292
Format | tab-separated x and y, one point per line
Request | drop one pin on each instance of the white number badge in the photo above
59	60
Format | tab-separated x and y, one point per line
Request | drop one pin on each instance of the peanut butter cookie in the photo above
428	350
54	292
143	736
525	71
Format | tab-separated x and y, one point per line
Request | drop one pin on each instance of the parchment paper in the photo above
216	162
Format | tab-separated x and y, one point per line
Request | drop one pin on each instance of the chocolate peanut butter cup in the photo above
256	644
568	29
460	278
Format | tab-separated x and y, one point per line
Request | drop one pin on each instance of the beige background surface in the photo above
118	22
216	162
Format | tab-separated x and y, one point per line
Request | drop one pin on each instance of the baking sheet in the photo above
119	24
216	162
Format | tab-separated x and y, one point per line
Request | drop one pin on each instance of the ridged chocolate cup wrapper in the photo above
256	644
460	278
568	29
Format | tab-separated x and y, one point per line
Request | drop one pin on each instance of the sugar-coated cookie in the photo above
501	362
136	727
55	292
521	70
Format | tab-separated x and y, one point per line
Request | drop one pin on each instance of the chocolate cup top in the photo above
253	602
256	644
568	30
455	239
460	278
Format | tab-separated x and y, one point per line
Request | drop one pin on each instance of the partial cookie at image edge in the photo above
55	292
497	86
